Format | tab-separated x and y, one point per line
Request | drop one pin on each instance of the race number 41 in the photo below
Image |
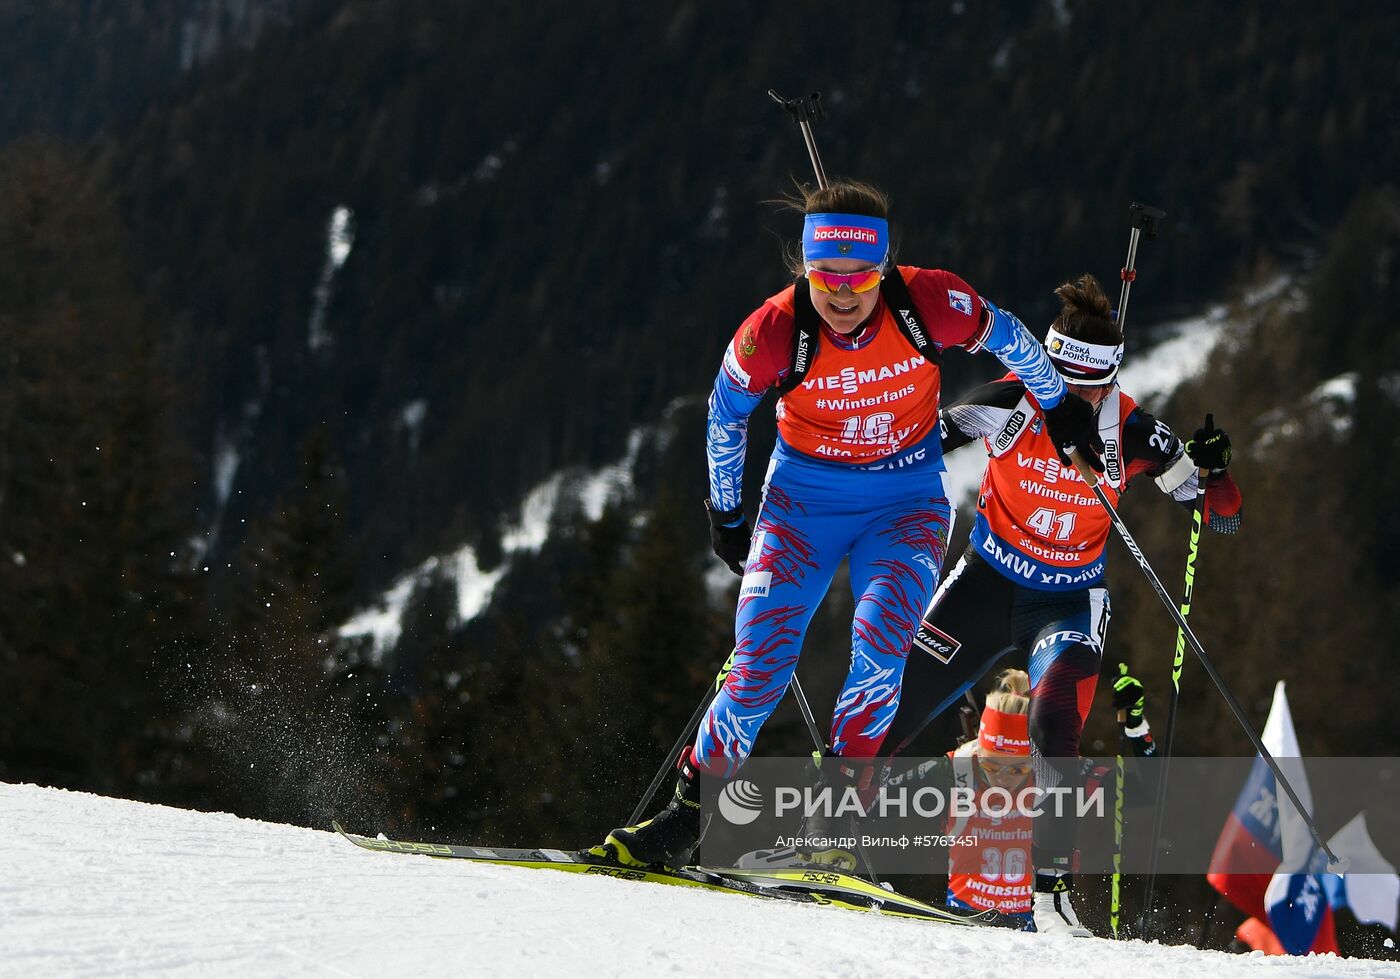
1049	524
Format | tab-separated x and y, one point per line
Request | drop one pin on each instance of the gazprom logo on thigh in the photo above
755	584
740	802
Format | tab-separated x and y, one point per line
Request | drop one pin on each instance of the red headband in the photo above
1005	734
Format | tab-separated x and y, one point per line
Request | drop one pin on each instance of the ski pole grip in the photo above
1085	470
1145	218
1201	474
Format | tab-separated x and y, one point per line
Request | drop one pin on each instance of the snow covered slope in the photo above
94	886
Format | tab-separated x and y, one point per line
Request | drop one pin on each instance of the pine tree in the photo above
89	457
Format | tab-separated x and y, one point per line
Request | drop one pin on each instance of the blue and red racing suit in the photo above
856	472
1031	579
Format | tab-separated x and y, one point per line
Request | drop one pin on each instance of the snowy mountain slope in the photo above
96	886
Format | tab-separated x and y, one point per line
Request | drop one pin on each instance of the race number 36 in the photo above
1007	865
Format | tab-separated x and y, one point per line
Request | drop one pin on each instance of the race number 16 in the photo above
868	428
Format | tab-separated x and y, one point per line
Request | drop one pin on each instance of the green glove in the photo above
1129	698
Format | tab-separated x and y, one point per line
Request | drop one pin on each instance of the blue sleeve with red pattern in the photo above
755	359
727	439
1007	338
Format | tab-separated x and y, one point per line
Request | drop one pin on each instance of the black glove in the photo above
731	544
1209	448
1072	423
1128	698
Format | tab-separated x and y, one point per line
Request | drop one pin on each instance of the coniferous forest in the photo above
220	436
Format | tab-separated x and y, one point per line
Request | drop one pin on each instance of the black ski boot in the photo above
825	838
668	838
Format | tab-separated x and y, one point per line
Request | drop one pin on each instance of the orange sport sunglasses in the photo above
862	281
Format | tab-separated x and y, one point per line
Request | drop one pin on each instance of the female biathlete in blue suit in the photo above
853	348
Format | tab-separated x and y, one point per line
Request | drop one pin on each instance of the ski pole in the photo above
682	741
811	720
690	725
689	730
1178	658
1115	904
804	112
1199	650
807	715
1143	219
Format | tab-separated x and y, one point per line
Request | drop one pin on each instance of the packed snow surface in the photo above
91	886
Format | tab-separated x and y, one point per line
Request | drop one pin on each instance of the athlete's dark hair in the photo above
1085	313
843	197
839	197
